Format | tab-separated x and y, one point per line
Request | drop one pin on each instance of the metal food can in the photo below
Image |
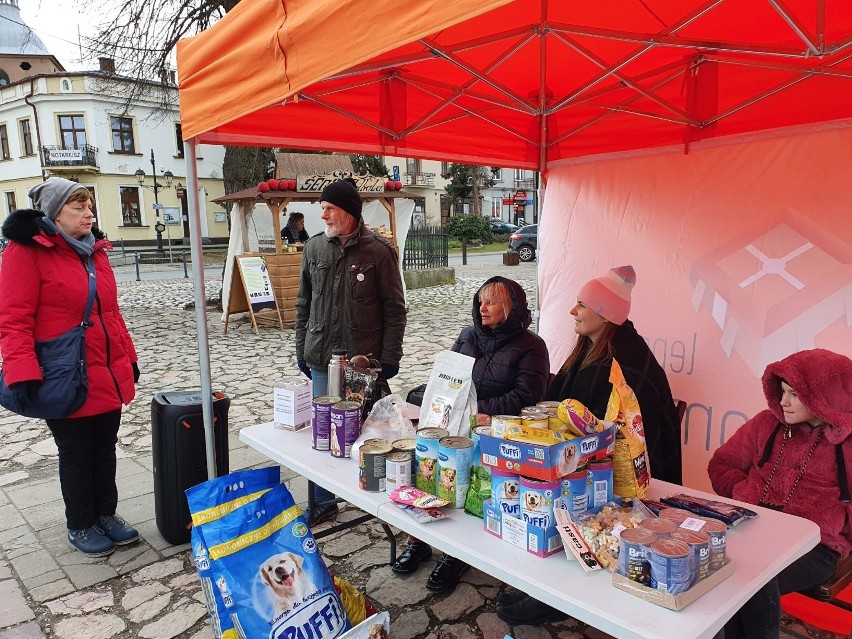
499	423
397	471
633	548
699	559
575	493
374	440
535	421
407	445
426	458
717	531
321	421
455	456
372	459
658	526
599	483
345	428
669	560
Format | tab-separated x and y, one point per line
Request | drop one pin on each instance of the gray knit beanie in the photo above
49	197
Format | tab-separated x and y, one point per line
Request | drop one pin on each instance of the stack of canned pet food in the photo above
582	488
443	464
665	556
335	425
384	466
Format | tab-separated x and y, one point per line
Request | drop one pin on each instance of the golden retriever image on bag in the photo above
289	583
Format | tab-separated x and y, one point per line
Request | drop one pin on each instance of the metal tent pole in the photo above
200	295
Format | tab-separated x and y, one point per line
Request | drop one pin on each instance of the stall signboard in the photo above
257	283
317	182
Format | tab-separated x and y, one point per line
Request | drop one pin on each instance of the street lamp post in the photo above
159	227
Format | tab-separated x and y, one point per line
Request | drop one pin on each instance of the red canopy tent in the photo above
515	83
522	83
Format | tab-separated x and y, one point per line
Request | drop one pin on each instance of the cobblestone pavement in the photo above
150	590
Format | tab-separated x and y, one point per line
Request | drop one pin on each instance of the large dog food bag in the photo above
210	501
266	565
631	469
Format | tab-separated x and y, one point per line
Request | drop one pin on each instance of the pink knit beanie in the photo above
609	296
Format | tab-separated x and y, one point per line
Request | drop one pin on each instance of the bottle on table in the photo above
335	372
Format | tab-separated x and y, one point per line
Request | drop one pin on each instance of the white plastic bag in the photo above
386	421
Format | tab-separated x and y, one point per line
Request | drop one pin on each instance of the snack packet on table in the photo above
728	513
411	496
594	538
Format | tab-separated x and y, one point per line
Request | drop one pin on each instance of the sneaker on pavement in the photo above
117	530
90	541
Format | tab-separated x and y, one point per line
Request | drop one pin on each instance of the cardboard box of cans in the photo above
537	541
667	600
545	462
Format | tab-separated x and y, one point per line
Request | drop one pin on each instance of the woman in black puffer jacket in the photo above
512	365
511	371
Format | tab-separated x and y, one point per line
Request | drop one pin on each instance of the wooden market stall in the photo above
283	264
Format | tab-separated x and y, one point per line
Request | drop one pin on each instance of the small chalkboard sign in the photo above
254	294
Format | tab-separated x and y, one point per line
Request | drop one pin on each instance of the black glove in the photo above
25	392
136	373
303	366
389	370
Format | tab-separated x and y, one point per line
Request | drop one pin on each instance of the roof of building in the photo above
293	164
16	38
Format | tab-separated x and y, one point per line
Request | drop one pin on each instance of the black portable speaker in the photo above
180	455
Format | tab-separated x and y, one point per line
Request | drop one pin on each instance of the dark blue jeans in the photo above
760	616
87	466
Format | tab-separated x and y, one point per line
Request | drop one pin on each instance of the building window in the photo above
445	168
122	135
26	138
11	202
4	143
497	174
4	78
131	213
179	139
72	130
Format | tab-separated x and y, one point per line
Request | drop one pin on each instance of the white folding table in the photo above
760	549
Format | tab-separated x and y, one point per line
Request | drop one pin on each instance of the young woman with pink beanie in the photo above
603	333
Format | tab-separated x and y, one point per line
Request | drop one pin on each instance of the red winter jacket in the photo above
823	383
43	292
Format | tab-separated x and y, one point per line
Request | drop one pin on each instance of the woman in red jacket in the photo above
794	457
43	292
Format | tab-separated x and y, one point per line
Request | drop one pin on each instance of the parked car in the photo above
503	227
525	242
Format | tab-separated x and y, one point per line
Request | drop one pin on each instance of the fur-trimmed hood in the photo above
823	382
25	226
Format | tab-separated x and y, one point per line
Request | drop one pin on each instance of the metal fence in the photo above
425	247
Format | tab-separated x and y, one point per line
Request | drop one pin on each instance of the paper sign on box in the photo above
292	403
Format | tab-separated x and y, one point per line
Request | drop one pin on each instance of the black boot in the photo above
445	577
528	612
410	559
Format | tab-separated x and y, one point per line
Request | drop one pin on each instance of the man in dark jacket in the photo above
350	297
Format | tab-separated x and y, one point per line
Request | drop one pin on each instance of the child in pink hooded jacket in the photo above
795	457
